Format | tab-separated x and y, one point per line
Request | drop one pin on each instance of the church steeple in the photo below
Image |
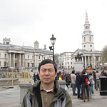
87	37
86	25
86	18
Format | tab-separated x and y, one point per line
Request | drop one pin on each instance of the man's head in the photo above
47	71
47	61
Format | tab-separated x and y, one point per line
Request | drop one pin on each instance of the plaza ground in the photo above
10	97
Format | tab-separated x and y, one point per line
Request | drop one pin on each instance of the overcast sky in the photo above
25	21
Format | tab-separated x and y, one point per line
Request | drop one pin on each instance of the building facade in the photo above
85	57
22	56
28	57
65	60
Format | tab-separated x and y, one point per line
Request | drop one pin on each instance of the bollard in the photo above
23	89
103	85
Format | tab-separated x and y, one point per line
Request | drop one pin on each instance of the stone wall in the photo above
9	81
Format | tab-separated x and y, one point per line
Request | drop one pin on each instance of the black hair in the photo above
46	61
73	72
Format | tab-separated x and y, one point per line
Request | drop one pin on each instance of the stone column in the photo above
89	60
85	61
82	59
19	60
94	60
14	60
10	60
22	60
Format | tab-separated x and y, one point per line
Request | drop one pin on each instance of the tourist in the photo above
46	91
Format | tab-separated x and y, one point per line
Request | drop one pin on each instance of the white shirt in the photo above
73	78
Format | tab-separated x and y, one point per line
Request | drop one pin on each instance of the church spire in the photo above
86	18
87	36
86	25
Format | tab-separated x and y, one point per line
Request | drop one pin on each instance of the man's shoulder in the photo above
62	89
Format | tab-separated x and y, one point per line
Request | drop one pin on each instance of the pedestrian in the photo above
78	84
67	79
35	77
84	85
94	77
91	85
97	80
73	82
46	91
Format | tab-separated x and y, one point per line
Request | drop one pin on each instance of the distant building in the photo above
82	58
22	56
65	60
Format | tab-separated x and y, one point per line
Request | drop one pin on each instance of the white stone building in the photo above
82	58
65	60
22	56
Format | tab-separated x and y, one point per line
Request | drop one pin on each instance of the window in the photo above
15	55
97	58
90	39
5	64
32	64
15	64
39	56
84	39
5	55
28	64
86	27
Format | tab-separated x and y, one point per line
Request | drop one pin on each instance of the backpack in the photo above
86	81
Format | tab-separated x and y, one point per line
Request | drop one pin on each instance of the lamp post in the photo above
52	39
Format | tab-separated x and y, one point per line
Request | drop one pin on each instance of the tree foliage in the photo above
104	55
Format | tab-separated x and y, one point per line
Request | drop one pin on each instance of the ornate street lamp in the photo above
52	39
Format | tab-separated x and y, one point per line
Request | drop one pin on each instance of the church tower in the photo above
87	36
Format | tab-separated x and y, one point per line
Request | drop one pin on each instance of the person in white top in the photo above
97	80
73	82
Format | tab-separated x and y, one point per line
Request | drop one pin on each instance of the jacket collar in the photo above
36	87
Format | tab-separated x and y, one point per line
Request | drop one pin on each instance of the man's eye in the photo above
49	70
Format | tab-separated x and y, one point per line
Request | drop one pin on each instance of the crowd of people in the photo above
82	83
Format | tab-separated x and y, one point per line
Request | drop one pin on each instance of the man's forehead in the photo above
47	65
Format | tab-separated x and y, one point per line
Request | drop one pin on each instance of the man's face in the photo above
47	73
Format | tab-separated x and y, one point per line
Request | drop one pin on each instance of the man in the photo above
73	82
46	92
78	84
85	84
